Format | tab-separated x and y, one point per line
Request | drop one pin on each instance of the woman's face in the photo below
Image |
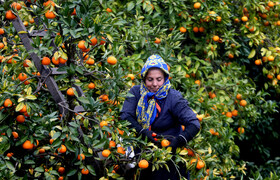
154	80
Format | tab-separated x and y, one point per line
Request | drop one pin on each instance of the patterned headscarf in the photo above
147	106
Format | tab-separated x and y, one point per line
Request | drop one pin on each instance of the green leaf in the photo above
10	165
22	32
39	169
31	97
4	144
130	6
252	53
91	169
71	172
29	162
56	135
19	106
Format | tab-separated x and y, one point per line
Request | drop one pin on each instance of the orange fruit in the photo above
27	145
70	92
183	30
103	41
26	62
62	149
216	38
22	76
93	41
10	15
219	19
190	152
143	164
258	62
15	134
239	96
41	151
85	171
20	118
55	61
112	144
61	170
106	152
104	97
24	109
278	76
74	12
8	103
234	112
157	41
270	4
10	154
49	2
121	150
244	18
51	141
46	61
212	95
197	5
165	143
32	21
111	60
269	76
2	31
193	161
231	56
197	82
201	29
131	76
81	156
229	114
62	61
200	117
50	15
16	6
270	58
195	29
103	123
91	85
241	130
200	164
243	103
60	178
2	46
81	45
90	61
212	131
109	10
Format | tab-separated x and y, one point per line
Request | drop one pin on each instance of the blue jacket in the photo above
174	113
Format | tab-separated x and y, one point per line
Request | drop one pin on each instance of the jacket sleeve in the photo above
128	111
186	116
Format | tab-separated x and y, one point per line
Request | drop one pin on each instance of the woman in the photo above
157	108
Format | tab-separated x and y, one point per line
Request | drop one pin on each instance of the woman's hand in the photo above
176	142
152	136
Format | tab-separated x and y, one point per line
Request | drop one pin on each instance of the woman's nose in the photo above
154	83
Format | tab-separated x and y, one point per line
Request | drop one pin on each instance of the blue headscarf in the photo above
146	109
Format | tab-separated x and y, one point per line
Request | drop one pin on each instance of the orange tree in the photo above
61	95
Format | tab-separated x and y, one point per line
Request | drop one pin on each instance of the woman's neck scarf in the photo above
147	108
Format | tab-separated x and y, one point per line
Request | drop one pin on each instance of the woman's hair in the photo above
165	75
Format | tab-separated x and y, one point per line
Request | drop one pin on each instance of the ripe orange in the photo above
112	144
50	15
270	4
8	103
10	15
239	96
93	41
20	118
197	82
103	123
165	143
24	109
46	61
61	170
195	29
62	61
193	161
90	61
26	62
81	156
157	41
200	117
243	102
278	76
212	131
244	18
41	151
22	76
212	95
216	38
190	152
269	76
131	76
55	61
241	130
197	5
201	29
62	149
10	154
183	30
32	21
104	97
231	56
270	58
74	12
27	145
16	6
15	134
234	112
106	152
200	164
81	45
229	114
51	141
111	60
91	85
70	92
219	19
103	41
143	164
121	150
2	45
2	31
60	178
109	10
85	171
49	2
258	62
